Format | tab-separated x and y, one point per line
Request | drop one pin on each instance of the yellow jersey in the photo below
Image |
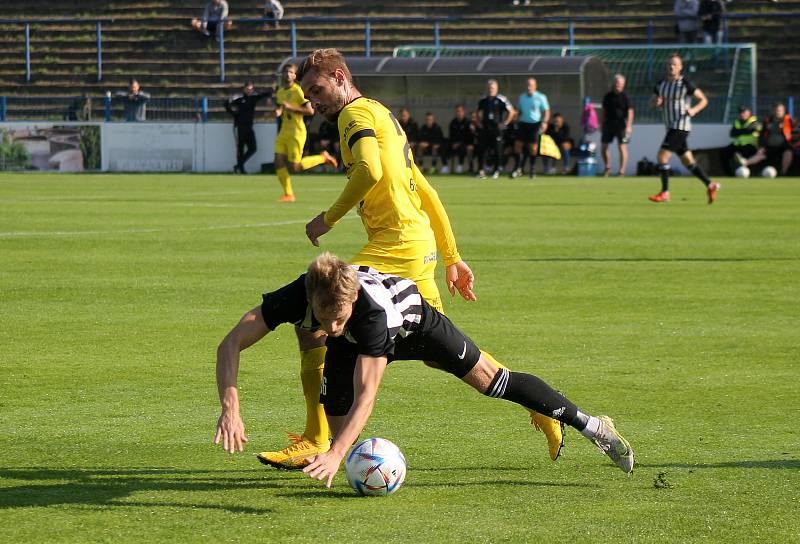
292	124
391	209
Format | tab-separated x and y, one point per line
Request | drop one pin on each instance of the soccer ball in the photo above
375	467
742	172
769	172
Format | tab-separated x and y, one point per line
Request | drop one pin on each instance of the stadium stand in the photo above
152	39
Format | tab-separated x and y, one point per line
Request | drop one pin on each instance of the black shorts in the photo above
675	141
610	132
438	341
528	132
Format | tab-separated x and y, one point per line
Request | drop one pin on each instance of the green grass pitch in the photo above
681	321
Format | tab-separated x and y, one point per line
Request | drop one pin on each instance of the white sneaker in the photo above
496	174
445	170
459	169
516	173
610	442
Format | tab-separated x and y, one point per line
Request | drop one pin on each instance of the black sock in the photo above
665	171
697	170
532	392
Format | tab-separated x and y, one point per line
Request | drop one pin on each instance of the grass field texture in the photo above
681	321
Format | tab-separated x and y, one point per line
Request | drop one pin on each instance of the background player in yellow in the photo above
402	214
291	107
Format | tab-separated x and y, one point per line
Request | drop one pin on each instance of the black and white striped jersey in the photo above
388	309
677	95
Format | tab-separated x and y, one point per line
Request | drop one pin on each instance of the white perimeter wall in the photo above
646	139
179	147
210	147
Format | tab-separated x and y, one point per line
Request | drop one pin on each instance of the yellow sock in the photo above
286	181
311	365
501	365
311	161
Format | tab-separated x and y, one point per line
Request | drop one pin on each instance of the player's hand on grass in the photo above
324	466
316	228
230	429
459	276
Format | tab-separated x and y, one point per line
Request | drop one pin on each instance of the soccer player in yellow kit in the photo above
404	219
291	107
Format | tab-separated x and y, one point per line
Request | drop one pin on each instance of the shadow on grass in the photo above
791	464
109	487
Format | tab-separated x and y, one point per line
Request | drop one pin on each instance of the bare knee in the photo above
481	375
295	167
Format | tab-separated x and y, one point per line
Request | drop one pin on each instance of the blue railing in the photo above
568	23
203	109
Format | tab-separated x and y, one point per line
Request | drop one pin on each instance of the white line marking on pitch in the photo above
21	234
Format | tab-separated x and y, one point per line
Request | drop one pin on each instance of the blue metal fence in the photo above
645	31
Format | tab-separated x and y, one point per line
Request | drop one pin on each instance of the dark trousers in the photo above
245	138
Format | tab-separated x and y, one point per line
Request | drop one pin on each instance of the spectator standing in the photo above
776	138
243	108
215	12
273	12
495	113
558	130
135	101
617	123
534	116
686	20
411	129
710	13
461	143
430	143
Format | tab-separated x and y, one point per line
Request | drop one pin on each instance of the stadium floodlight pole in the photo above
27	52
293	29
204	106
221	28
367	38
436	42
99	51
571	32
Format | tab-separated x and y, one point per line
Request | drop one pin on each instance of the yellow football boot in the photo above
294	457
553	430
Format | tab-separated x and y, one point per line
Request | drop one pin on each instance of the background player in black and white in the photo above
674	95
371	319
243	108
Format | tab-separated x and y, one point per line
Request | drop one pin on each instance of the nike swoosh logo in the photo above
463	353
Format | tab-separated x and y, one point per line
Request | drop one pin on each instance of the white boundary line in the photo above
23	234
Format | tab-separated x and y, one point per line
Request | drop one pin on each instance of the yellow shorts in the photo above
290	146
415	261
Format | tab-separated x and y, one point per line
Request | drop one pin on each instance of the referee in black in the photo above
674	96
243	108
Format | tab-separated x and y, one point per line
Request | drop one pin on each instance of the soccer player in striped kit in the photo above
370	320
405	222
674	95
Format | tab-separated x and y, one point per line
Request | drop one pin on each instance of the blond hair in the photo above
331	282
325	62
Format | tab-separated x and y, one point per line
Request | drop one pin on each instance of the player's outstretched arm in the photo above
365	172
230	427
440	222
366	381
